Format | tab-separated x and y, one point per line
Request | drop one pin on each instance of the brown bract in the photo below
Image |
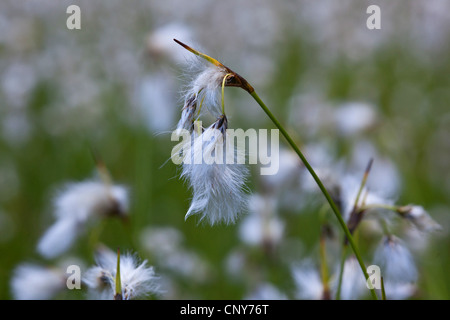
233	80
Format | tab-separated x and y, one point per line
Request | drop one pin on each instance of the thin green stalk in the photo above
383	292
363	184
118	289
379	206
324	267
352	223
223	94
319	183
341	271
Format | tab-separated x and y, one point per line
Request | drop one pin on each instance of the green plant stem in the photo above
379	206
341	271
324	267
118	289
383	293
319	183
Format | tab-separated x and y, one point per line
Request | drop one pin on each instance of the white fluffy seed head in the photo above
74	205
100	282
160	43
399	291
84	199
188	113
59	237
34	282
307	281
204	90
218	186
354	117
138	280
262	226
395	261
420	218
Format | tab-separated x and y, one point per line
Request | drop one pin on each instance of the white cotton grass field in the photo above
86	118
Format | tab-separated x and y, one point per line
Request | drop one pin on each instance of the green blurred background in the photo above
114	86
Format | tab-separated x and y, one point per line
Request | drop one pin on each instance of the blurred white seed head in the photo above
88	198
349	190
218	186
34	282
235	264
354	117
384	175
165	245
327	169
161	241
399	291
289	172
261	226
74	206
154	101
395	261
187	264
353	281
307	281
59	237
160	43
265	291
418	241
138	280
419	217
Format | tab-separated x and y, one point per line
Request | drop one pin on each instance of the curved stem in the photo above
223	94
341	271
319	183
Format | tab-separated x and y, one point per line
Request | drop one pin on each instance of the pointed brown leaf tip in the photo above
369	166
185	46
179	42
234	80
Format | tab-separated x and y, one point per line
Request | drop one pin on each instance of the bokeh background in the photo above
345	93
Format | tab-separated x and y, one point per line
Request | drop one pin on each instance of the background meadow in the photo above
115	87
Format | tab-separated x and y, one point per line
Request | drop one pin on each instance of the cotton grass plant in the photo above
354	204
77	207
122	277
232	79
79	204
